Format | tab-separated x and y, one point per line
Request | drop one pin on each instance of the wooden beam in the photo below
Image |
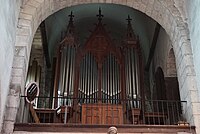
79	128
45	44
34	114
153	46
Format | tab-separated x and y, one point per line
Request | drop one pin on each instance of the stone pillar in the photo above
16	88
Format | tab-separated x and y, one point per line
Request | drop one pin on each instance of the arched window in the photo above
160	85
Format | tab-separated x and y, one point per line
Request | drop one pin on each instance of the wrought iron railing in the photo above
106	111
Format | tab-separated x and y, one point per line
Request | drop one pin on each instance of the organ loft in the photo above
100	75
101	81
99	66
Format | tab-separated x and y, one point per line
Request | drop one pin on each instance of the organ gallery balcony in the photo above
92	112
107	111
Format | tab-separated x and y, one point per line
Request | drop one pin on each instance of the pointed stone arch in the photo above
33	12
160	88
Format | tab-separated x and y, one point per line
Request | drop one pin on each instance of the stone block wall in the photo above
8	25
193	9
193	23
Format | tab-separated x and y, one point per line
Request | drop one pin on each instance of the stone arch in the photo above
33	12
171	64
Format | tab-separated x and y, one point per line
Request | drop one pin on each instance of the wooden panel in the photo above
136	115
102	114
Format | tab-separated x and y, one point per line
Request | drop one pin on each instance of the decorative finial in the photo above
129	19
100	16
71	16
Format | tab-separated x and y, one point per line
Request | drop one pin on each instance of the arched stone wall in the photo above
33	12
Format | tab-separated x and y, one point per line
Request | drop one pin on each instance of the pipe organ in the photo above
132	75
98	73
88	80
34	75
67	64
111	80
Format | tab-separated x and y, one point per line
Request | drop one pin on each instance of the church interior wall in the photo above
8	23
160	56
194	30
34	14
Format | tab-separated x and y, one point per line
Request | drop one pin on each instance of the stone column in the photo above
16	88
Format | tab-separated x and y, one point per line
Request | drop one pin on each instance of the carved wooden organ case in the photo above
98	72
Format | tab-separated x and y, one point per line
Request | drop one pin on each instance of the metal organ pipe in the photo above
110	80
134	80
127	73
113	79
103	81
116	82
70	71
92	80
66	58
106	70
62	76
73	69
86	78
80	88
132	74
109	68
114	91
107	78
83	78
89	78
110	77
96	80
137	73
67	80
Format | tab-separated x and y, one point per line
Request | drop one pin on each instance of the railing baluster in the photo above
173	113
168	115
159	112
177	109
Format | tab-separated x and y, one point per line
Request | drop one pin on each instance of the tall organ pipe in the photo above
129	72
70	72
86	71
114	81
89	78
134	73
137	73
66	70
63	70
